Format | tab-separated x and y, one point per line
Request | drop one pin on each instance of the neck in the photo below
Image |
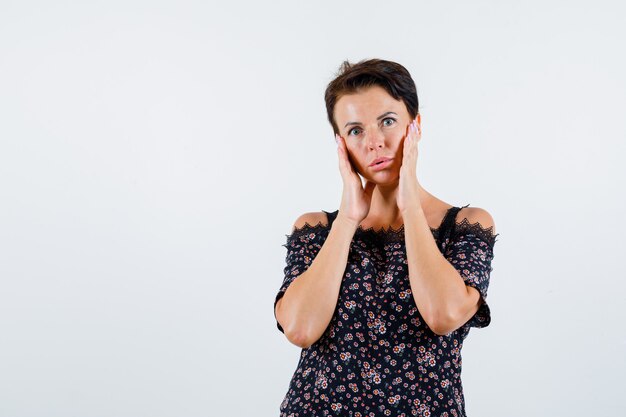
384	208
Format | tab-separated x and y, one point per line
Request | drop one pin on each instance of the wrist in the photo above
414	209
344	221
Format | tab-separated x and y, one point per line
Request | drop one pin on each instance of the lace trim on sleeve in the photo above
477	229
306	229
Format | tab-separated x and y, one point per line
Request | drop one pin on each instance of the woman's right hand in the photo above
356	199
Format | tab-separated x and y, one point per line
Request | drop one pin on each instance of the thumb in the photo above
369	188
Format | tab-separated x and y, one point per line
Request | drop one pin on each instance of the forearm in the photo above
436	285
310	300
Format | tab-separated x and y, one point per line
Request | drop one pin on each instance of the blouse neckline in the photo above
392	235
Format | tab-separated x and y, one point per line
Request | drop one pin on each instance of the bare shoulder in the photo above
312	218
477	215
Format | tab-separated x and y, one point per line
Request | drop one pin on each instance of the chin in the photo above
384	179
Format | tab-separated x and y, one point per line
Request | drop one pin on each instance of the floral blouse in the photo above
377	356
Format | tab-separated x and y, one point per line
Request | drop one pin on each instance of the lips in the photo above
379	160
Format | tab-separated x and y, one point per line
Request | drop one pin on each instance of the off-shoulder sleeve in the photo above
470	251
302	246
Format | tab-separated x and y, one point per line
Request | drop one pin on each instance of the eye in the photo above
385	124
389	118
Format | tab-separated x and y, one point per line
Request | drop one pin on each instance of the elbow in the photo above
441	330
297	338
302	343
290	330
441	324
293	331
294	334
437	328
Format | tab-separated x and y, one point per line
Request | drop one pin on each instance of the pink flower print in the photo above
394	400
336	407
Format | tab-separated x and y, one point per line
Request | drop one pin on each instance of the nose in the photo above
375	138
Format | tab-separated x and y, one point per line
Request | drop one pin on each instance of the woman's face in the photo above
373	124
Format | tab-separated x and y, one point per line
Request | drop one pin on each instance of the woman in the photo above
381	293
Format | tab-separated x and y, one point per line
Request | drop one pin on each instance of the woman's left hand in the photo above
408	197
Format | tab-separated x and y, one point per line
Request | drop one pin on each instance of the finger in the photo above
341	148
418	130
414	139
415	136
409	137
344	156
369	187
418	133
410	142
349	161
340	155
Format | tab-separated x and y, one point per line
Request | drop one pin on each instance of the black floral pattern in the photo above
377	356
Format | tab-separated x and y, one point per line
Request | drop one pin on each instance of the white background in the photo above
154	154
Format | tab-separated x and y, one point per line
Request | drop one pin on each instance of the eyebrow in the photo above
378	118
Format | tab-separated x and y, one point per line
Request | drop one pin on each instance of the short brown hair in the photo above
351	78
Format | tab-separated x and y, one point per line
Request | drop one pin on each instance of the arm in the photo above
440	293
306	308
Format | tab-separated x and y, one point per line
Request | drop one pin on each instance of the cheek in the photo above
358	160
400	145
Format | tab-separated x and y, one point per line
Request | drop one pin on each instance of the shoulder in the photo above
313	218
475	215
